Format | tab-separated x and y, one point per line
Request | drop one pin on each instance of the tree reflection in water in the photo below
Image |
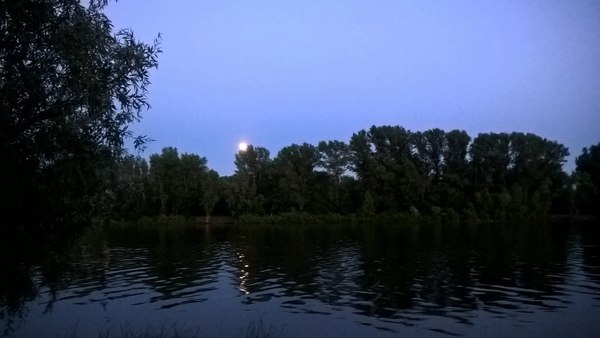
391	277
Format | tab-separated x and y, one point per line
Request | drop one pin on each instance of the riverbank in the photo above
442	218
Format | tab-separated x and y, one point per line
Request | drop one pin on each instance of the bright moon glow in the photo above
243	146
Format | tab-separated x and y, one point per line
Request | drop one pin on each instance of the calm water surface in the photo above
320	281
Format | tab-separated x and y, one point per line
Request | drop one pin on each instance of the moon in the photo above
243	146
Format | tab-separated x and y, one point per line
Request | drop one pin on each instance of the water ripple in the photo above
386	280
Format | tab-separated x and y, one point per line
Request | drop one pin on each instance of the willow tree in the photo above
69	89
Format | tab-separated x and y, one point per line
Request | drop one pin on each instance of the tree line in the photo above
385	169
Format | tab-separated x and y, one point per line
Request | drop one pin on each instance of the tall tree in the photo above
191	175
455	155
177	181
455	170
383	160
535	170
588	182
361	155
246	189
335	159
212	189
490	158
431	146
130	188
69	88
295	165
516	174
163	175
253	163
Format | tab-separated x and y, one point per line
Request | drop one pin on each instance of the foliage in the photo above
335	160
296	218
161	222
69	89
177	181
246	190
211	192
386	170
130	188
295	166
384	162
587	180
516	173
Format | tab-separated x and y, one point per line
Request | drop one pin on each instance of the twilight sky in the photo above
276	72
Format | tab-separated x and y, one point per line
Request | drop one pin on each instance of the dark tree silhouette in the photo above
69	89
588	180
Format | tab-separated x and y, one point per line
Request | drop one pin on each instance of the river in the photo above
312	281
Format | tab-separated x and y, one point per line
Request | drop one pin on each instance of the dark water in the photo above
319	281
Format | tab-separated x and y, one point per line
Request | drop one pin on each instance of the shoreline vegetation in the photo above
254	329
386	173
398	218
296	219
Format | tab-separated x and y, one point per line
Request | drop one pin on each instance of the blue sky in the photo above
273	73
